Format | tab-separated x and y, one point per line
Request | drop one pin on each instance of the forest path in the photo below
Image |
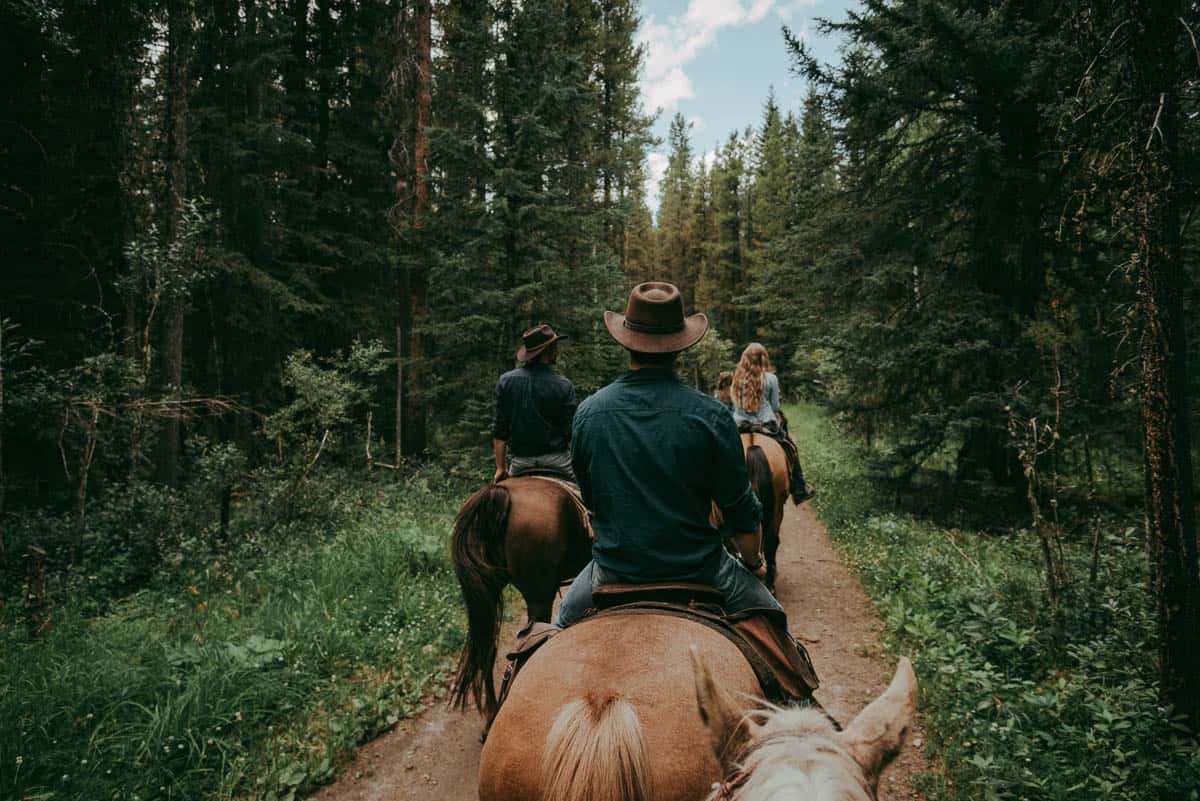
436	755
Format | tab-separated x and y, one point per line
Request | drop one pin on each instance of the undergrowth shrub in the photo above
1022	701
247	676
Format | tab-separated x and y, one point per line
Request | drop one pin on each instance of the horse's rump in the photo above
651	672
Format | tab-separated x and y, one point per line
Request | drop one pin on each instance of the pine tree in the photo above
640	252
726	275
705	247
180	24
772	186
1143	159
785	298
624	130
950	169
676	213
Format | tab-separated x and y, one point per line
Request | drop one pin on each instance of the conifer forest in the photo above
262	263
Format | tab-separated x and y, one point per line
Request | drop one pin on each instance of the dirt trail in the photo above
436	756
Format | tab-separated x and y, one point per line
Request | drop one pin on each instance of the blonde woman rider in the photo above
756	405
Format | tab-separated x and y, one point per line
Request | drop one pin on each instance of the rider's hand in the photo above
758	567
501	474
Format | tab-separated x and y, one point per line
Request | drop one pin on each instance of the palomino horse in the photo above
795	752
527	532
767	465
608	711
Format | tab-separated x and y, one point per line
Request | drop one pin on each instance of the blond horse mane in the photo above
796	756
794	753
595	752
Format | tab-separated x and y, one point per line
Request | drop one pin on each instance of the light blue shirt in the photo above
766	409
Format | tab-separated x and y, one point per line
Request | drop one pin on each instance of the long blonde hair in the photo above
750	378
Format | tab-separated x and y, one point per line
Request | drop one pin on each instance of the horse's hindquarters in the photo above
642	660
547	542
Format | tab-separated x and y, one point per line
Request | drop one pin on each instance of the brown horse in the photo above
608	711
767	465
524	531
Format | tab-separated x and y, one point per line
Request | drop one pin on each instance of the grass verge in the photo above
1022	702
251	681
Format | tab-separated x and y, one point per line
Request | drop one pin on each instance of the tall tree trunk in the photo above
415	427
414	76
179	30
297	67
324	89
3	548
1170	514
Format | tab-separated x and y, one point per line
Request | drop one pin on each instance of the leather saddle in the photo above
678	593
783	668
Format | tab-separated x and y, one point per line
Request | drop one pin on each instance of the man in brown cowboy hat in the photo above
534	408
652	455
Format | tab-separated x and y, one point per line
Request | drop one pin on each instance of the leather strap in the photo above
713	618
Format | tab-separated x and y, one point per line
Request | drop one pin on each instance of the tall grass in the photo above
248	681
1021	702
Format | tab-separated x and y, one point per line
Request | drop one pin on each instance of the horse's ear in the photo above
877	733
729	728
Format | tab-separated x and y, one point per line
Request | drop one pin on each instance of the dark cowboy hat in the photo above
536	340
654	322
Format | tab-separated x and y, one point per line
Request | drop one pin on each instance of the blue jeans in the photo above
741	588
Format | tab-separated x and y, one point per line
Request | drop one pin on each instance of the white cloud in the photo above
788	10
759	10
671	45
669	90
697	123
710	158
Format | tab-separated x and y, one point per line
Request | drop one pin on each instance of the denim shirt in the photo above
768	406
651	456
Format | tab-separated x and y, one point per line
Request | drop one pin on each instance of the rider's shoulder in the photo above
511	374
708	403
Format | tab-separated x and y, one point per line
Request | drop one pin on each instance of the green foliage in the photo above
677	240
245	677
702	363
1020	704
164	272
330	396
539	156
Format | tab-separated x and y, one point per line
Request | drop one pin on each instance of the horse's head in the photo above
796	752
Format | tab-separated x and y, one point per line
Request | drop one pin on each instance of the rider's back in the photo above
652	455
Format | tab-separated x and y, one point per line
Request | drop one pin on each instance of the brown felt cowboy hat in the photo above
536	340
654	322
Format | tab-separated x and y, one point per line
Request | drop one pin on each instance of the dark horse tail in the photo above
477	551
759	468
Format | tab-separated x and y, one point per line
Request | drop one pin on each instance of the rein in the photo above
725	790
